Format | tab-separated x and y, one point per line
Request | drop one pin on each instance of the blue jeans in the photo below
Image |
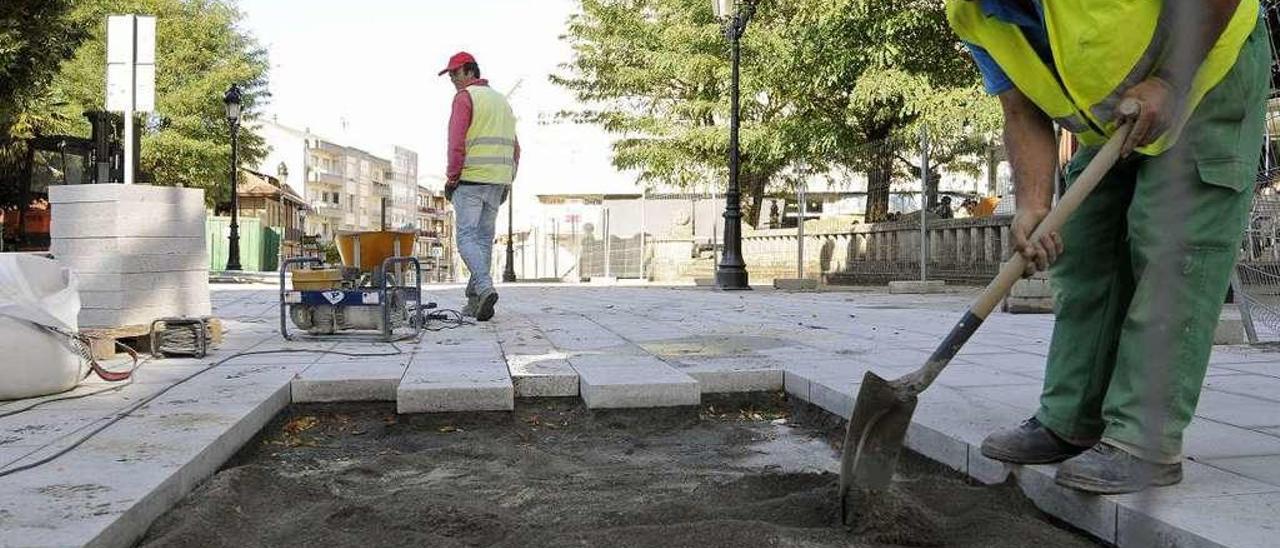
475	209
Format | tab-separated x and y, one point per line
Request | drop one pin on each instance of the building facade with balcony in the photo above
277	206
435	247
403	209
346	188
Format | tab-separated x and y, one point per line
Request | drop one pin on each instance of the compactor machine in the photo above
376	291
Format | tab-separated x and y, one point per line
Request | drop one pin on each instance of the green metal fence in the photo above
259	245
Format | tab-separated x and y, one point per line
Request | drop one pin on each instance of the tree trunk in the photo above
753	189
879	177
993	167
931	190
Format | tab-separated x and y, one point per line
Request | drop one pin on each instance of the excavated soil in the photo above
735	472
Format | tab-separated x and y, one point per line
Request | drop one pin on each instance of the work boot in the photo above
1029	443
473	304
484	310
1109	470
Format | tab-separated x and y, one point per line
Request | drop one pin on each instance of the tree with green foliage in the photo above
892	69
35	37
826	86
201	51
656	72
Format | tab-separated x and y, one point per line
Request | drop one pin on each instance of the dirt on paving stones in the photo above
750	471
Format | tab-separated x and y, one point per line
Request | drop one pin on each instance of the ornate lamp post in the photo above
232	101
731	273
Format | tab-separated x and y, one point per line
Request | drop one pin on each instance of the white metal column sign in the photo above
131	74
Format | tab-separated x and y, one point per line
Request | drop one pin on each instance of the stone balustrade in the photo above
959	251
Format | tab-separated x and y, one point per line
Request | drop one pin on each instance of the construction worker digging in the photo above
1200	79
483	158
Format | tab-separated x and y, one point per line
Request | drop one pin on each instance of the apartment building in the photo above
404	189
347	188
435	246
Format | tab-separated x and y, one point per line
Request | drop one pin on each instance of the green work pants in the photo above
1147	264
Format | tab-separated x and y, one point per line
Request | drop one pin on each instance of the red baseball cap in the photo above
456	62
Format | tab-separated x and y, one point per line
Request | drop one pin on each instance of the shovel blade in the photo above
873	438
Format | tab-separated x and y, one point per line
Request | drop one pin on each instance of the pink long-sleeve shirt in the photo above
459	124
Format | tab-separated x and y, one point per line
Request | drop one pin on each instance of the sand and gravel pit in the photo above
745	471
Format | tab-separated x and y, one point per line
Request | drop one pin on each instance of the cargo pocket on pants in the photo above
1228	173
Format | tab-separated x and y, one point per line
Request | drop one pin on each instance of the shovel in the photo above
874	435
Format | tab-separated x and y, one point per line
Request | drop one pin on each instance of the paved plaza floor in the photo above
620	347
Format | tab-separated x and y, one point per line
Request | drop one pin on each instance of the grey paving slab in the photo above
543	377
965	419
537	367
78	500
1020	363
1267	369
834	397
639	329
1023	397
1237	521
1244	354
1199	481
938	446
12	453
1247	384
230	385
272	354
39	427
1242	411
1262	468
965	414
578	333
796	384
639	380
108	491
444	382
1094	514
1207	439
153	372
959	375
727	374
351	381
89	396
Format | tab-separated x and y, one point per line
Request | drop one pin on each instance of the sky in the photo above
373	64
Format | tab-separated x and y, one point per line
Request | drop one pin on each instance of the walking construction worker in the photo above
483	157
1124	375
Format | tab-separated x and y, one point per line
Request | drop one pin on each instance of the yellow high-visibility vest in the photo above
1100	49
491	139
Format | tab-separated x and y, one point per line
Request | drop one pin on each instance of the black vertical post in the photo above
233	254
382	214
509	274
731	274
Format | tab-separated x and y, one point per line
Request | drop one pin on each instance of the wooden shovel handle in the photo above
1053	222
917	381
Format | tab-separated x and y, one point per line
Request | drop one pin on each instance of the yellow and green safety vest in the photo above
491	139
1100	48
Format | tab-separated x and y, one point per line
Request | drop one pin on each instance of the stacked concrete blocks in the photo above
795	284
1033	295
917	287
139	250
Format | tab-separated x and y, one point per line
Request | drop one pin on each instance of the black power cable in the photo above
145	401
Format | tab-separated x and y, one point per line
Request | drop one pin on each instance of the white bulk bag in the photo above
34	292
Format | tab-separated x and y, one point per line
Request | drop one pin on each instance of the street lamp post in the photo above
232	101
509	274
731	273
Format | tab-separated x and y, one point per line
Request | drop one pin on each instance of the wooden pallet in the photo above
137	337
